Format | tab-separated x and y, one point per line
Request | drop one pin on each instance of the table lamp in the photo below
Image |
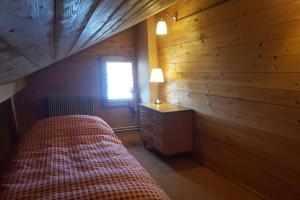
157	77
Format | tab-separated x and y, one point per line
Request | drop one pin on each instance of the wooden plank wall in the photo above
8	134
78	74
152	55
237	65
142	61
147	58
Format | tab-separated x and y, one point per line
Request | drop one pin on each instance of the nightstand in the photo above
166	127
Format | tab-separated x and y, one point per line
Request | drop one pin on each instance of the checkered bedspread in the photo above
76	157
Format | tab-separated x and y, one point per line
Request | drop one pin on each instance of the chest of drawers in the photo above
166	127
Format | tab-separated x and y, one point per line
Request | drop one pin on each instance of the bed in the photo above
76	157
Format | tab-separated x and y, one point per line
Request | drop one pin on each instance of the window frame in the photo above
104	89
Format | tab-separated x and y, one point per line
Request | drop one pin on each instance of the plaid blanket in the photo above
76	157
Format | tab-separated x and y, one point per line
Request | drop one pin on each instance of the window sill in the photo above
117	103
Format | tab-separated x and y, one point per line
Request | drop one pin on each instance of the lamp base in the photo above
157	101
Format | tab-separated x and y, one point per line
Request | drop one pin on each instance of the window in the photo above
118	80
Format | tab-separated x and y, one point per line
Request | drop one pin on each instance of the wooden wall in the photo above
78	74
142	61
152	55
8	134
8	124
147	59
237	65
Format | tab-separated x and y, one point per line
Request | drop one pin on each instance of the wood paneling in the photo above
236	63
27	26
98	19
152	55
79	74
39	33
8	135
71	18
147	57
142	61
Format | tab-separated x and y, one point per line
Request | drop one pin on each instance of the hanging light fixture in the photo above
161	27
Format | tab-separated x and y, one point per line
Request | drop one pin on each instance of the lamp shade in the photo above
161	28
157	76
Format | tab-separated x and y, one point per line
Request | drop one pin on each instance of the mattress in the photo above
76	157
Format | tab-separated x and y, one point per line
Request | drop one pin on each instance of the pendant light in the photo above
161	27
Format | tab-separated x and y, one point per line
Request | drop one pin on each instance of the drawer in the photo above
150	114
151	127
152	140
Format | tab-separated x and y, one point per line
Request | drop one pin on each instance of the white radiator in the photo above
59	105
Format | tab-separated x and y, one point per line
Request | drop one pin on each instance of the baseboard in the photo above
128	128
234	180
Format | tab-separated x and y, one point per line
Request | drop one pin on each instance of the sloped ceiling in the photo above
37	33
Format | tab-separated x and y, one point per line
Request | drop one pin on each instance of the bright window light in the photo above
119	80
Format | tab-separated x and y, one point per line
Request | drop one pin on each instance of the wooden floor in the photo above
183	178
